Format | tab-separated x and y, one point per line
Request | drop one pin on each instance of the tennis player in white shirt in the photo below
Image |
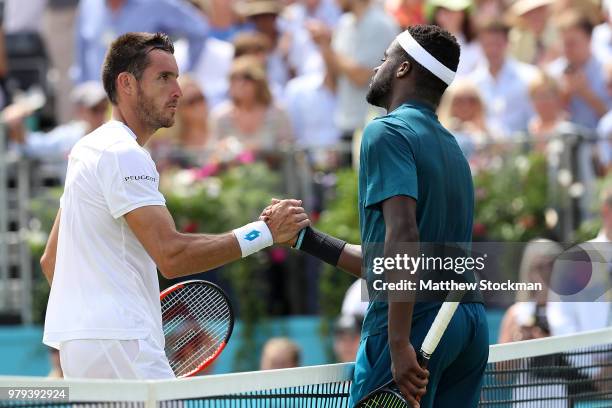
112	229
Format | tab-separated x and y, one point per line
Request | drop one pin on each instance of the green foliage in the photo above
511	199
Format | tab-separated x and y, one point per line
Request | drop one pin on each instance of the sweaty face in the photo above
382	82
158	91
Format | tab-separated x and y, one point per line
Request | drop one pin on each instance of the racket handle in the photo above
423	358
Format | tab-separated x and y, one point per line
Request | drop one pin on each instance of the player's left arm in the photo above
401	237
47	261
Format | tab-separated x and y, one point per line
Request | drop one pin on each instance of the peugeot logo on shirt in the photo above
143	177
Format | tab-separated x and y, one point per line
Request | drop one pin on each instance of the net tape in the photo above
567	371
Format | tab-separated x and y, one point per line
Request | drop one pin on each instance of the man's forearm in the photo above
192	253
400	241
351	260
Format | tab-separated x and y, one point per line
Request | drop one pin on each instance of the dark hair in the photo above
130	53
574	19
443	46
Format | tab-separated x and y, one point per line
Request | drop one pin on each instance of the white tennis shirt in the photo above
105	283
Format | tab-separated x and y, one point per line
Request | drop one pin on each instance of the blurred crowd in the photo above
262	76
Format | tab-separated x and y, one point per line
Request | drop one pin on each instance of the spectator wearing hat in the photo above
502	81
99	22
455	17
292	51
350	55
533	36
52	148
580	72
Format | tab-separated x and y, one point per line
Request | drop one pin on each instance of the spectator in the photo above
604	128
211	70
355	302
347	336
250	117
462	111
224	21
549	114
455	17
360	40
20	19
257	45
52	148
302	11
602	35
406	12
503	81
280	352
185	144
590	313
526	318
99	22
58	32
309	99
533	36
3	68
580	72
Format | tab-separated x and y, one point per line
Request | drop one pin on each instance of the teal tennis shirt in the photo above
408	152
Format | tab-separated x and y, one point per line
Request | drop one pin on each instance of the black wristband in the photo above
323	246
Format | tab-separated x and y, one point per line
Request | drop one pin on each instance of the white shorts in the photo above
114	359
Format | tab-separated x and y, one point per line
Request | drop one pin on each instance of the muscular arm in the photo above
401	228
47	261
178	254
350	260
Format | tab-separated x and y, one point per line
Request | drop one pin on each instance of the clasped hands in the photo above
285	219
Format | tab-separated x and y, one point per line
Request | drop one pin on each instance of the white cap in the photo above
88	94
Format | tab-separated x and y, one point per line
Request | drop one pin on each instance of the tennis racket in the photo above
197	320
389	395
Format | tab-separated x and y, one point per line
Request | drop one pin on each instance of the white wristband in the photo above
253	237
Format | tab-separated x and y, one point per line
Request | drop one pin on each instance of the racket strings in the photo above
204	342
213	331
196	320
384	399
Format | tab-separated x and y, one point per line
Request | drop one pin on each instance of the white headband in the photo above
423	57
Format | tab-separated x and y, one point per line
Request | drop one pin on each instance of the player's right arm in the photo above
177	254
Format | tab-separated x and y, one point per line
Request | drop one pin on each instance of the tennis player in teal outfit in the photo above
414	186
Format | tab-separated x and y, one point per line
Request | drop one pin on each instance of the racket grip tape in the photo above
443	318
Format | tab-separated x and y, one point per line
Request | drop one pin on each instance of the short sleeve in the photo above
129	179
390	164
